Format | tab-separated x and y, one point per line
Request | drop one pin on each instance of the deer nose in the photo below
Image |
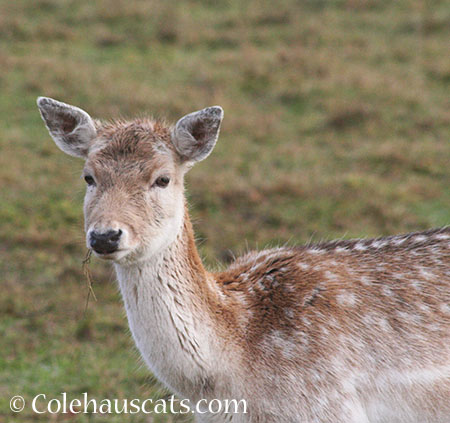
106	242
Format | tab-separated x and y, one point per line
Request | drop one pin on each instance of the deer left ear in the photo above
72	129
195	134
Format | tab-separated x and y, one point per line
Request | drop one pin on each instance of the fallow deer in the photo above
352	331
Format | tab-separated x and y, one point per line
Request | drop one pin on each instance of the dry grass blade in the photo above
88	275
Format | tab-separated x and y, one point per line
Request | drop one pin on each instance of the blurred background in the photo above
336	125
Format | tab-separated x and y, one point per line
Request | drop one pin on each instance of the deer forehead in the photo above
132	149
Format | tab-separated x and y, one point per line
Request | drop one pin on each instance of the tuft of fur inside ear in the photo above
72	129
196	134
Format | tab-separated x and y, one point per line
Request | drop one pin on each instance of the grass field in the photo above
337	117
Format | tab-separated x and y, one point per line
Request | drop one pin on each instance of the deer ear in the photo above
71	128
195	134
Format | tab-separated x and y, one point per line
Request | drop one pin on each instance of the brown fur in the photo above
278	284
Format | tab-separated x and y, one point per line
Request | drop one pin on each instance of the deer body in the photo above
349	331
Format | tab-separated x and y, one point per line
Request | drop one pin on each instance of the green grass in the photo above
336	124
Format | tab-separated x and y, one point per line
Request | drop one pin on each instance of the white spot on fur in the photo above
427	274
378	244
280	341
289	313
365	280
346	299
384	324
360	247
434	328
445	308
419	238
304	266
318	268
332	322
398	241
330	275
221	295
417	285
316	251
306	321
241	298
380	267
424	308
408	317
288	287
303	338
387	291
411	378
400	276
368	319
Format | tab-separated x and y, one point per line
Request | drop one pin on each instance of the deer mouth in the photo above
111	256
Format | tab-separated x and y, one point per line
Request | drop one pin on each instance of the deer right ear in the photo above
71	128
195	134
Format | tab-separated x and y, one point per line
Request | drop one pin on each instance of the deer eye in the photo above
162	181
89	180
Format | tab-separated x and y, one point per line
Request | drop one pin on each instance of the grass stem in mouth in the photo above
88	275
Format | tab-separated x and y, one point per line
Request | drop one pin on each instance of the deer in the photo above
354	331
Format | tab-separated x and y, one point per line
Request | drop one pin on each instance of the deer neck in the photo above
167	300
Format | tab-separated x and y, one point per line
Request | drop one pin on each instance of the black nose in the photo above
106	242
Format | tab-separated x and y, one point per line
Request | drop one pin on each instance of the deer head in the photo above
134	171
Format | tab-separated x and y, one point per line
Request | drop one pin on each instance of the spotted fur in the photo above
352	331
